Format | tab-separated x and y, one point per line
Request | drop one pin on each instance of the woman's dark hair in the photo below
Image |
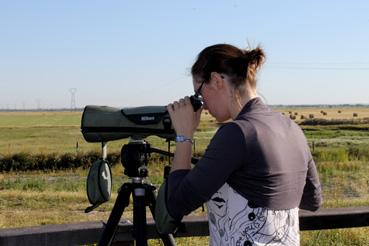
240	65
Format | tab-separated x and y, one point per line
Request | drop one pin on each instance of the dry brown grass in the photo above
331	113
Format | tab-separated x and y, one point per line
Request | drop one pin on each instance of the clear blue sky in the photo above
135	53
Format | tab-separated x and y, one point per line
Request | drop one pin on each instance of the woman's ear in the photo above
217	80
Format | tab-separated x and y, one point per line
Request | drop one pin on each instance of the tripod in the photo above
134	159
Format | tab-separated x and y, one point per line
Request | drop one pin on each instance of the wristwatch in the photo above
181	139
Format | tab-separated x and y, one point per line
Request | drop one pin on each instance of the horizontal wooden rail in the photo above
334	218
89	232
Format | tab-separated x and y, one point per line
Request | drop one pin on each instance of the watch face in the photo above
180	138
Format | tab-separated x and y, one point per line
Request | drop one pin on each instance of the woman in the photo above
257	170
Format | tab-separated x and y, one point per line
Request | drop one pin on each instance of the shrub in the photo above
46	162
316	121
335	155
29	162
51	162
358	153
66	161
6	164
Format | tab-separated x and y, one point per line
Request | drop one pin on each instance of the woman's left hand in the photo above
184	120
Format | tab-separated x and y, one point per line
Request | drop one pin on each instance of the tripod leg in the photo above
139	215
120	204
167	239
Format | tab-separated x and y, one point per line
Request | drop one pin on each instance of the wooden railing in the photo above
89	232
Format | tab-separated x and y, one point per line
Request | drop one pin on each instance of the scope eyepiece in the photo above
196	102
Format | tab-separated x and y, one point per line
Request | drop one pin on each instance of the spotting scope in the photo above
104	123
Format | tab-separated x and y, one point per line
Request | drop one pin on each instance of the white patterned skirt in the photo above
232	221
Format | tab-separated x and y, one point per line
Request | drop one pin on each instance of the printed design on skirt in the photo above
233	220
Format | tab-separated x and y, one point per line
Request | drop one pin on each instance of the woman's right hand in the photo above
184	120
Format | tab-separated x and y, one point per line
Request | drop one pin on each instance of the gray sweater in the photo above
262	154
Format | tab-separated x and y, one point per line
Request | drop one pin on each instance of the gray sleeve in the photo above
187	190
312	195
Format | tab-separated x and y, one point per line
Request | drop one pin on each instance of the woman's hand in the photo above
184	120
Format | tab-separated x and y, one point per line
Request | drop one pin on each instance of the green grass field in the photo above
39	198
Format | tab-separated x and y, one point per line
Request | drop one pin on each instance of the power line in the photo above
320	65
319	68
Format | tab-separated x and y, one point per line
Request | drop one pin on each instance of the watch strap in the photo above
181	139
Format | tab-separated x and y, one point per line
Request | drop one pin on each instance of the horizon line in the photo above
271	105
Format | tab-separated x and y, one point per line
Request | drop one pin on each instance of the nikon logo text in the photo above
147	118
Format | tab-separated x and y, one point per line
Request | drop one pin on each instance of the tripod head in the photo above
134	158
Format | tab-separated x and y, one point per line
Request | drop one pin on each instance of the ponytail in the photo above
255	57
240	65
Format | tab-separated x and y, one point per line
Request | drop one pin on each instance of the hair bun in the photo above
255	57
